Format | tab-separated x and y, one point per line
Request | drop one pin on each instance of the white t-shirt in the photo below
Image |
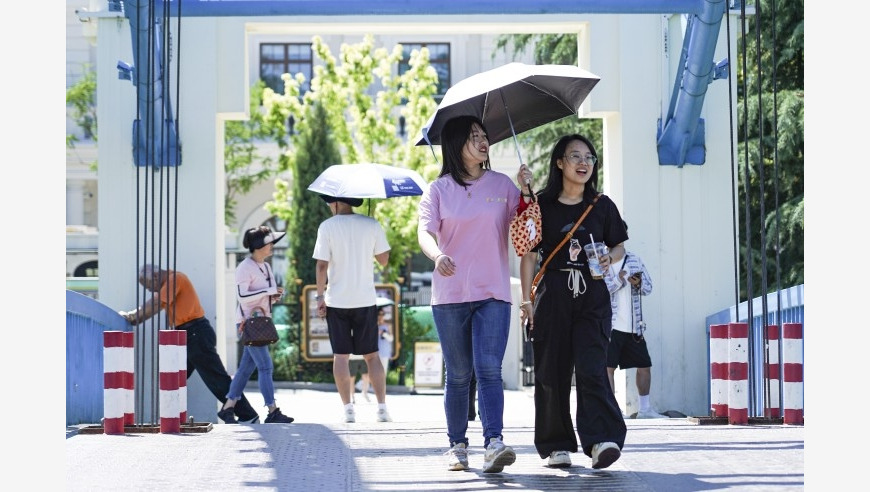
622	314
349	244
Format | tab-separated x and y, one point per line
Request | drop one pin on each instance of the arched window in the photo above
87	269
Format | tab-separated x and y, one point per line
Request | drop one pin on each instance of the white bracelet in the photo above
439	255
525	303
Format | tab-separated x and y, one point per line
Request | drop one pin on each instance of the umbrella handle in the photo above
511	123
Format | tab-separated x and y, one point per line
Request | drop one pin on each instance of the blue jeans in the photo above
254	358
473	335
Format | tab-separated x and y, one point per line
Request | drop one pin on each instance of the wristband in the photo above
525	303
527	195
439	255
318	298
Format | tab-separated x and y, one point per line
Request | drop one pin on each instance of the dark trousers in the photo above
203	358
571	336
472	395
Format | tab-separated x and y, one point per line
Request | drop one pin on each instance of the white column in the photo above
75	202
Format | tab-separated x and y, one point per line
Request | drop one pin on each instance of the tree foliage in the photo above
81	100
315	150
770	150
358	94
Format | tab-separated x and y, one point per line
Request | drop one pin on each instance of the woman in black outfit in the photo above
570	320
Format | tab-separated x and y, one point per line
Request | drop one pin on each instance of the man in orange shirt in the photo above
174	292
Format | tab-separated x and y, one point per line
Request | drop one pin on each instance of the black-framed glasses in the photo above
576	158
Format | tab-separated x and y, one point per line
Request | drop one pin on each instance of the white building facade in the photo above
680	217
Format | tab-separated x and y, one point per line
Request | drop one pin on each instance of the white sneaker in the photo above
349	415
650	414
604	454
497	456
457	457
383	416
559	459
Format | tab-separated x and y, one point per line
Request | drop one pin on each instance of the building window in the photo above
277	59
439	58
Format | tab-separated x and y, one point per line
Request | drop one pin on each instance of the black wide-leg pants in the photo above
571	336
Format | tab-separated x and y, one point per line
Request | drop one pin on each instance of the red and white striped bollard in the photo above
117	381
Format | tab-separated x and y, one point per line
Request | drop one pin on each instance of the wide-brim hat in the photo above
271	238
353	202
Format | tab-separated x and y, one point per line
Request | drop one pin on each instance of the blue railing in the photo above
86	320
789	303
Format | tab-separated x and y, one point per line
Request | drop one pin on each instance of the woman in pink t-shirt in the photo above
464	224
256	289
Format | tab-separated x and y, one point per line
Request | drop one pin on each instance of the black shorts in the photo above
354	330
357	366
625	351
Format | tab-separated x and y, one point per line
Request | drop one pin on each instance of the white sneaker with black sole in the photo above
604	454
559	459
349	415
497	456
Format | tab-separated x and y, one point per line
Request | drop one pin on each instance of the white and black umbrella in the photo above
512	98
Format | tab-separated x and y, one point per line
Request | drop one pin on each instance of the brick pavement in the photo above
320	452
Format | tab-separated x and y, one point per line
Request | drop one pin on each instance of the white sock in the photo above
349	406
382	406
643	400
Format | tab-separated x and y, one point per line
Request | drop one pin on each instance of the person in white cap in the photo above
346	296
256	289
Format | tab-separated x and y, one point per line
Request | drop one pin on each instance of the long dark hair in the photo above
455	133
554	179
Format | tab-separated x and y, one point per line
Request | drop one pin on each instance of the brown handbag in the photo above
258	330
570	233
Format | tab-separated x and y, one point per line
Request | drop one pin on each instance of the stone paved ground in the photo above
321	452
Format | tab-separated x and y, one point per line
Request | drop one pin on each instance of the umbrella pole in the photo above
511	122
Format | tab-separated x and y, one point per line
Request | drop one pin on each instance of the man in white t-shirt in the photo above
627	348
346	244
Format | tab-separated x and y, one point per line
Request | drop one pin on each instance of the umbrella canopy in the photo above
513	98
368	181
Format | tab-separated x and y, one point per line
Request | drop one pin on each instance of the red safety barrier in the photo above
170	402
793	373
771	373
718	370
738	373
181	357
117	381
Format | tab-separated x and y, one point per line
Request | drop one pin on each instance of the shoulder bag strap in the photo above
559	246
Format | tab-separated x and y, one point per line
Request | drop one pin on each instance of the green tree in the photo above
771	141
363	126
81	100
346	118
315	149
